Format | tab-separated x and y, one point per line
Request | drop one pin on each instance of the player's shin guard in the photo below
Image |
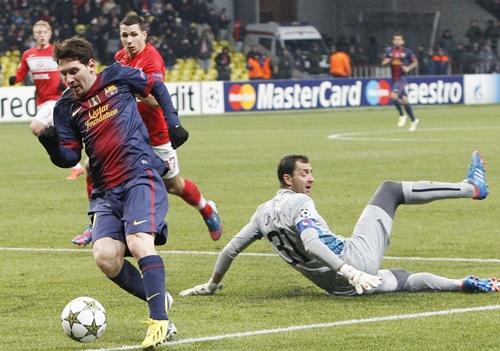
153	273
130	280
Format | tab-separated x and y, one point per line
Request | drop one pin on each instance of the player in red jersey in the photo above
137	53
47	79
402	61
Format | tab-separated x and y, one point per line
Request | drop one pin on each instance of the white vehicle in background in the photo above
299	38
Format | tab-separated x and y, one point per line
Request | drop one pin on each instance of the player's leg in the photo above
370	239
401	280
397	103
144	210
85	237
189	191
409	110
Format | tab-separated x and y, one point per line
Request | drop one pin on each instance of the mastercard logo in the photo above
378	92
242	97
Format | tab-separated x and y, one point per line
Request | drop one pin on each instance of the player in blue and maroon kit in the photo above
129	200
402	61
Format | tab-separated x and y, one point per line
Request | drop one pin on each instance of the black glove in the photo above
178	136
12	80
49	139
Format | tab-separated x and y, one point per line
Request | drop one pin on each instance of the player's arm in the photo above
412	65
233	248
149	100
61	142
21	71
387	57
315	247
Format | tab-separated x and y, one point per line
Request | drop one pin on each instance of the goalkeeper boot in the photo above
159	332
472	284
213	222
476	175
85	238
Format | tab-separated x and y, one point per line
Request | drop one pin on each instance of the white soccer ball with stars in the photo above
84	319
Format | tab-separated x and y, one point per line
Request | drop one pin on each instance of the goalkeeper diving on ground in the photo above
347	266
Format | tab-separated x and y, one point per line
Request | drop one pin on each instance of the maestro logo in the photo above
378	92
242	97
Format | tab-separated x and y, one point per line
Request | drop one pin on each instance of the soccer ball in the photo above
84	319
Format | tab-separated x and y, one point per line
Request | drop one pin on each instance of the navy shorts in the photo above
138	205
399	87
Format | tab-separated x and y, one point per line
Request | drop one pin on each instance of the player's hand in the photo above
405	69
178	136
12	80
203	289
361	281
49	139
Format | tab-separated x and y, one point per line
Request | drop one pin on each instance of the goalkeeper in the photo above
346	266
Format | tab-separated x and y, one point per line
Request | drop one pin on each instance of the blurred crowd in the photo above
178	28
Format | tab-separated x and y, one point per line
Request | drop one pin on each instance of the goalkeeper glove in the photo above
12	80
361	281
203	289
178	136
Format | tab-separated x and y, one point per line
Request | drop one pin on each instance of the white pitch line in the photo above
390	318
371	135
256	254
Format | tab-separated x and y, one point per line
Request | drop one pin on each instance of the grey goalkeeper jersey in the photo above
276	220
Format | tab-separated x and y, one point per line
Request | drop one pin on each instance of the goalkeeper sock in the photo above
130	280
425	191
153	273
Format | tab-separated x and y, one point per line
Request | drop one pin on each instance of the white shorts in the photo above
45	113
168	154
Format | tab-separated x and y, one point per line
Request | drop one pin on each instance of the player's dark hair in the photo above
74	49
130	20
287	165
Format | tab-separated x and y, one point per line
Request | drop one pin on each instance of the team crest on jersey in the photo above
305	213
110	90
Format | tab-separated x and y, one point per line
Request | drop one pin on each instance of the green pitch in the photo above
233	160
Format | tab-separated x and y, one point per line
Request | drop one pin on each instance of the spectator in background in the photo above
457	59
285	65
258	65
224	22
204	51
238	35
441	62
314	58
447	42
373	51
425	63
340	63
489	60
223	62
213	21
491	34
474	33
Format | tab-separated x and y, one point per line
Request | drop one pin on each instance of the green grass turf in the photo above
233	160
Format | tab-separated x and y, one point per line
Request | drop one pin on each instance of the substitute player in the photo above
129	202
137	53
402	61
346	266
48	85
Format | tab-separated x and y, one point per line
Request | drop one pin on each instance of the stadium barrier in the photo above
198	98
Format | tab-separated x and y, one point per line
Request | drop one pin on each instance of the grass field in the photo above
233	159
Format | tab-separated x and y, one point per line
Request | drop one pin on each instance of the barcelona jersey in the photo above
399	57
108	123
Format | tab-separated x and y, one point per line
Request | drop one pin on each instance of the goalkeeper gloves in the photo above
178	136
203	289
361	281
